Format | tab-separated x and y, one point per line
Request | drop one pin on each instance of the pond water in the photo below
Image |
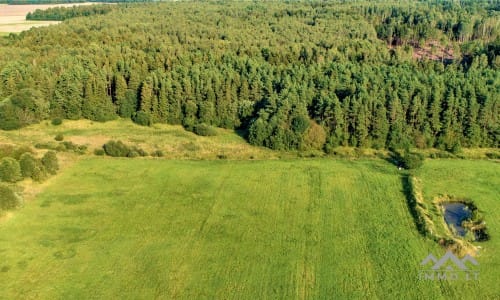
454	214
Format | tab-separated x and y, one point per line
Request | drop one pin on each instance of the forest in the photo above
62	13
287	75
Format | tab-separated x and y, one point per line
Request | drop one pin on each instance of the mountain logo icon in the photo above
449	262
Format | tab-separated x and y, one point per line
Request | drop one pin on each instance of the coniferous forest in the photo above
294	75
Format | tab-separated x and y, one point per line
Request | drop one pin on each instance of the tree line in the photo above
291	75
18	163
63	13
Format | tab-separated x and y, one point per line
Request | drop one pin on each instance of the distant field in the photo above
299	229
13	17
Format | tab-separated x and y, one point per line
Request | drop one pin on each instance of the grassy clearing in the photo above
301	229
178	143
478	181
173	140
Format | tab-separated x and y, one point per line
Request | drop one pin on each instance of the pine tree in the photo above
146	96
380	127
119	92
397	138
190	112
163	102
206	112
174	104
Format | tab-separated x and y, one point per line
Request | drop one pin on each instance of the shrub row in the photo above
119	149
28	166
412	160
13	151
409	160
65	146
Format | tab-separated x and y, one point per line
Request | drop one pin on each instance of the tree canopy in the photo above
294	75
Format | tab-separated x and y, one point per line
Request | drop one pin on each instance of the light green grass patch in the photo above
478	181
298	229
173	140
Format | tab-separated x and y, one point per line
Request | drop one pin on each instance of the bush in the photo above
81	149
116	149
133	154
19	151
69	146
39	173
47	145
412	160
60	148
8	198
492	155
441	154
204	130
56	121
99	152
59	137
14	152
140	151
10	170
157	153
455	149
28	165
50	162
142	118
32	167
119	149
63	147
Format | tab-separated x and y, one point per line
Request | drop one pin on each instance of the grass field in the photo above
297	229
478	181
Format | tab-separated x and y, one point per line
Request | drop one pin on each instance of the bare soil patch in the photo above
433	51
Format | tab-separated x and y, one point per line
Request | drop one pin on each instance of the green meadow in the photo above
227	229
173	140
249	150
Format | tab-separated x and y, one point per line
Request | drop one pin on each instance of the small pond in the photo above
455	213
